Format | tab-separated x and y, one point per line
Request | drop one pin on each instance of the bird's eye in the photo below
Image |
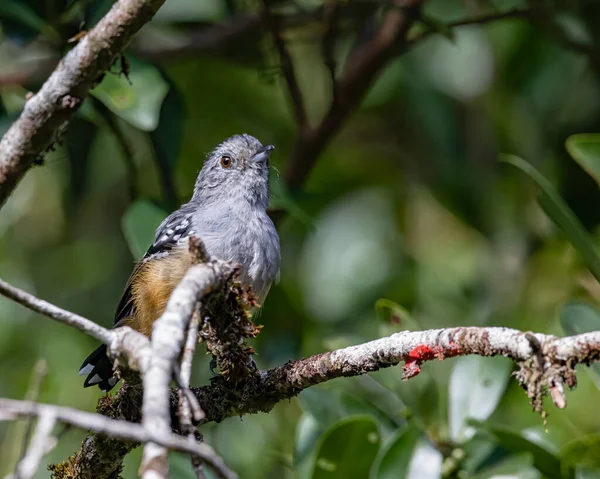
225	161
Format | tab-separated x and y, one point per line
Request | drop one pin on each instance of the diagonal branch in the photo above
287	66
11	409
63	93
168	337
545	363
362	68
261	393
54	312
41	443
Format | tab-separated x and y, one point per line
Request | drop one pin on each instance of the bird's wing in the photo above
172	231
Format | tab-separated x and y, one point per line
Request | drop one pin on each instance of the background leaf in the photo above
585	150
515	442
475	388
394	459
139	224
348	449
583	451
138	102
558	211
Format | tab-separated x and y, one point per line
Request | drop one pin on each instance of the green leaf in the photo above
514	442
587	473
15	13
476	387
166	140
327	406
394	459
323	404
139	224
347	449
577	317
558	211
518	466
584	148
583	451
308	432
390	312
426	462
140	102
480	451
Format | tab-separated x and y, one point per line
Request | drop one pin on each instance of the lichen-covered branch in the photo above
168	338
126	431
546	363
63	93
261	392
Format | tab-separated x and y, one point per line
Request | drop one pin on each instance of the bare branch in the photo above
546	363
167	343
363	66
261	393
330	10
520	13
40	371
63	93
41	444
54	312
127	431
287	66
187	401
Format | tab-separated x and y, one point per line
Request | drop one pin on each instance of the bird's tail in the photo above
99	370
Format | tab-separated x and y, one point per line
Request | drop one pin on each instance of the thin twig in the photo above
187	401
40	371
525	13
167	343
330	9
287	66
40	445
362	67
127	431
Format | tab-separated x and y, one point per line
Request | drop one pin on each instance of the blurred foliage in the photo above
407	221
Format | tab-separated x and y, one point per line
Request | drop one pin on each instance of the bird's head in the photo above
237	169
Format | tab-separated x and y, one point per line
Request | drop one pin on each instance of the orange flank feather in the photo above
152	286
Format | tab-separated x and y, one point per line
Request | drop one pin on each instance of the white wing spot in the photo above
87	369
95	380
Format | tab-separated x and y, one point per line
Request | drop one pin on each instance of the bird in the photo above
228	212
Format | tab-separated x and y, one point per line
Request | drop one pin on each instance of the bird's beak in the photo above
263	154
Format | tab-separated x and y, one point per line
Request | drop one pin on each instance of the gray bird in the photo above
228	211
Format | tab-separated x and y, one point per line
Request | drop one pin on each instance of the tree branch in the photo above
54	312
38	448
363	66
168	337
187	400
545	363
287	66
519	13
63	93
126	431
261	393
